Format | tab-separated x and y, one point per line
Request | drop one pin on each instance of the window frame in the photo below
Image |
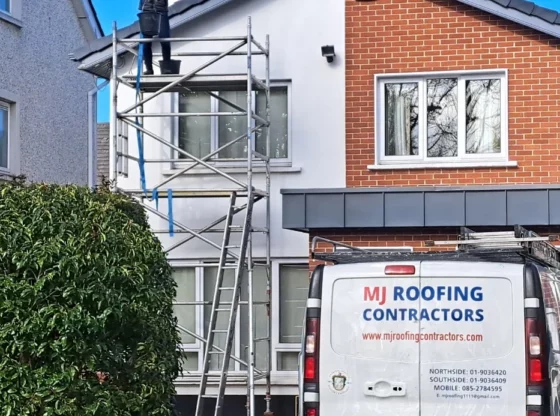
4	105
422	159
214	135
278	346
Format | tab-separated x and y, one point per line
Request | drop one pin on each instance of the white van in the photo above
449	333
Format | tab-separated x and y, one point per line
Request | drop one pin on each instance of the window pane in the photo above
484	118
4	131
260	314
186	292
189	361
210	273
278	122
401	119
195	132
5	5
294	283
287	361
443	114
231	127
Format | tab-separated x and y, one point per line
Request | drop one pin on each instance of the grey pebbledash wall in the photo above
102	151
51	91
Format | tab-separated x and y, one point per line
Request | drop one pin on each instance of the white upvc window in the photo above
441	118
201	135
4	135
289	288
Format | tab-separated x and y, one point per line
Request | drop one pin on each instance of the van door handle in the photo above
384	388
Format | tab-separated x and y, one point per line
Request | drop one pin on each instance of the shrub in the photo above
86	316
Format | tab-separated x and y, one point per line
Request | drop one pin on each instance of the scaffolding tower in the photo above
235	256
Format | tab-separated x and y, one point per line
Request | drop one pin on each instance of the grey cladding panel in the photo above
364	210
527	207
293	211
324	211
404	209
554	206
486	208
445	209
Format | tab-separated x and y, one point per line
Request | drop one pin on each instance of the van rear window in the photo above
442	319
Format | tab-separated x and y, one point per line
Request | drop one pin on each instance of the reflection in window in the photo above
401	119
484	117
4	135
194	132
442	114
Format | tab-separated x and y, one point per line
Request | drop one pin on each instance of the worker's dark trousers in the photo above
164	32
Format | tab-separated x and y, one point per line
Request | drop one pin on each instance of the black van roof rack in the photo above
497	246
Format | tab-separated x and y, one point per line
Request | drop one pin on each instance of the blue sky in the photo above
125	14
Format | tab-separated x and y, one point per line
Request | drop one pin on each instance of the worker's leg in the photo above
148	58
165	32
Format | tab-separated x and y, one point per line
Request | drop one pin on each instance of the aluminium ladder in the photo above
228	306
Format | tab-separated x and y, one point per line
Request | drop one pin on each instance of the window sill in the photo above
10	19
457	165
232	170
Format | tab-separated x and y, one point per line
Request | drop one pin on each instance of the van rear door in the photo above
369	360
472	347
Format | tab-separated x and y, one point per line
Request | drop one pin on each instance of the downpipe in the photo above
92	132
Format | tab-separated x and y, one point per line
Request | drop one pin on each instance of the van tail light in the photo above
311	412
533	413
311	368
536	360
399	270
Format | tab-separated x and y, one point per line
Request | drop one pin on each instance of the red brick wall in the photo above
393	36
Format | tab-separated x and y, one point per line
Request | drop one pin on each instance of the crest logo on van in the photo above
339	382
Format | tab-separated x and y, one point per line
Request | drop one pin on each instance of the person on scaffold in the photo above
161	7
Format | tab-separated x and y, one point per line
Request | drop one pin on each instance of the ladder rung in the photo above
214	352
262	339
209	396
220	331
222	310
233	246
227	288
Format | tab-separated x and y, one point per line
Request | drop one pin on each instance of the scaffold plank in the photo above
198	82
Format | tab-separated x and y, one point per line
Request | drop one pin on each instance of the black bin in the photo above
150	23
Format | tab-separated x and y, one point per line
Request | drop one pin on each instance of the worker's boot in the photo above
149	68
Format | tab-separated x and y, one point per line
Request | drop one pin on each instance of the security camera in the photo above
328	52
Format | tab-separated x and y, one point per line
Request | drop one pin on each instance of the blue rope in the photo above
155	197
170	209
138	132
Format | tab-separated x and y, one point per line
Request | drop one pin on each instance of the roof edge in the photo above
179	13
527	18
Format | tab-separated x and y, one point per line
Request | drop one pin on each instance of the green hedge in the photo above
86	316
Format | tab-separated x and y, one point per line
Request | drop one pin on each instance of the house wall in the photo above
46	89
316	115
392	36
102	152
297	32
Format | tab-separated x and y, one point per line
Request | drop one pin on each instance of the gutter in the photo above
92	133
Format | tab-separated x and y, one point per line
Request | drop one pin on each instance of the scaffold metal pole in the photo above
235	260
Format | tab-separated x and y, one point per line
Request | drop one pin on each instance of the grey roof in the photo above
96	16
132	30
523	12
531	9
